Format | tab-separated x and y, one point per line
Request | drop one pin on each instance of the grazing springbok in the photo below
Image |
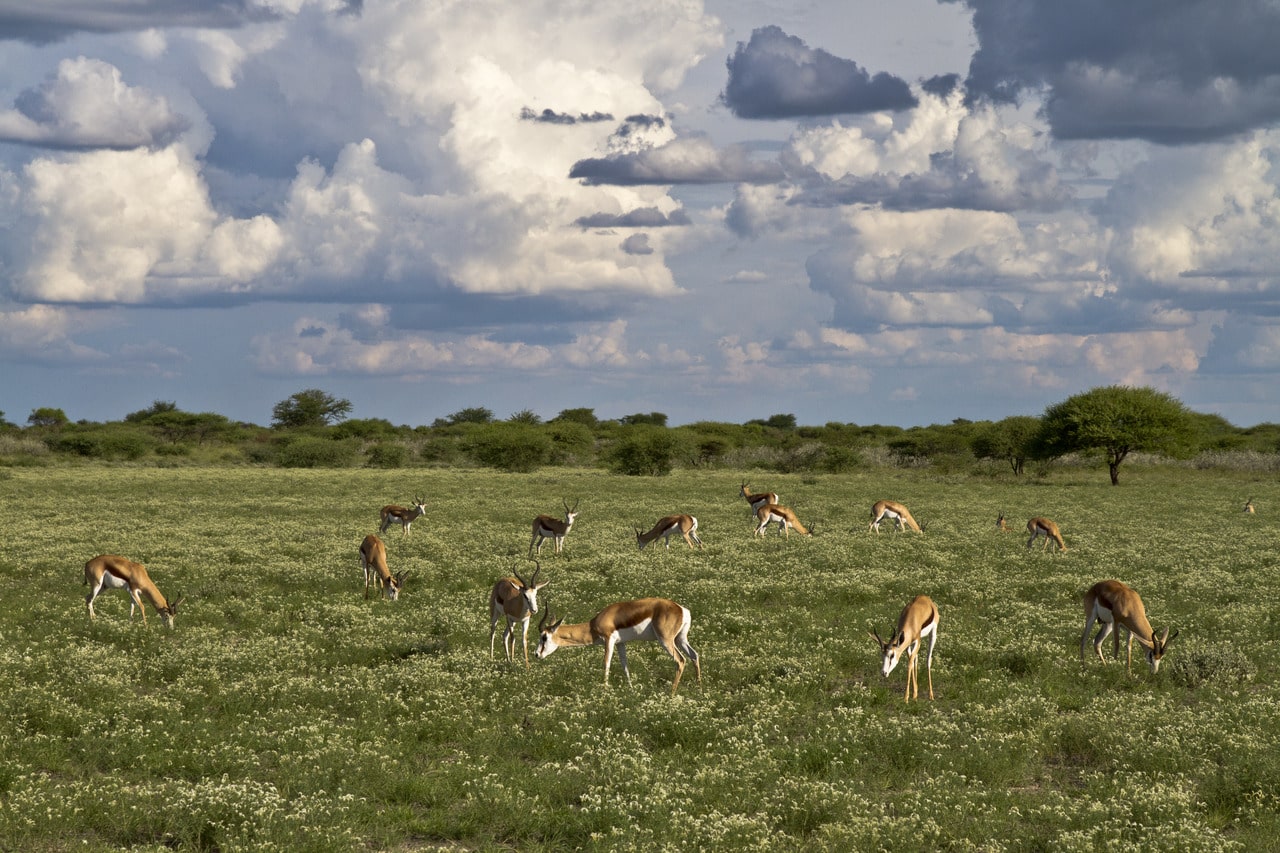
782	516
881	510
373	560
390	514
110	571
655	619
550	527
685	525
919	619
1038	527
514	599
1248	506
758	499
1114	605
1000	524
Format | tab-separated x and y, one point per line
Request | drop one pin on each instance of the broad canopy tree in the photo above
310	408
1117	420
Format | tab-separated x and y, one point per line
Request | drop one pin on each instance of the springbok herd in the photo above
1110	603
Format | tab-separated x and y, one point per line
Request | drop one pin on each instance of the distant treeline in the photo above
311	430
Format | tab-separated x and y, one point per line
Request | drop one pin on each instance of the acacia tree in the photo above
1010	439
311	407
1116	420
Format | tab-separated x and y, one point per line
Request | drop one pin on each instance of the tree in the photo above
639	419
1010	439
525	416
47	417
157	407
1116	420
586	417
784	422
309	408
473	415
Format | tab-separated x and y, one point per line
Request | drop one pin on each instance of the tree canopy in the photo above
310	408
1117	420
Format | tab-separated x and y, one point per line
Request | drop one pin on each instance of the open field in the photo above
287	712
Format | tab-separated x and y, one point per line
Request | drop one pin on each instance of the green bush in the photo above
1218	664
312	452
509	446
102	443
387	455
645	451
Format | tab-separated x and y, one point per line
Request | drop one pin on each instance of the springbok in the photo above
919	619
881	510
655	619
373	560
758	499
685	525
784	517
514	599
1114	605
550	527
390	514
110	571
1038	527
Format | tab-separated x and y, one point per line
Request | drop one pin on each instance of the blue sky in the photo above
849	211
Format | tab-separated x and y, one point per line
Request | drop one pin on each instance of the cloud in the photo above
645	217
86	104
687	160
775	75
1168	73
53	20
549	116
1197	224
364	343
637	244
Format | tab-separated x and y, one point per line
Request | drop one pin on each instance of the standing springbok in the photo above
758	499
373	560
685	525
550	527
1038	527
1248	506
1114	605
784	517
1001	525
881	510
390	514
655	619
110	571
919	619
514	599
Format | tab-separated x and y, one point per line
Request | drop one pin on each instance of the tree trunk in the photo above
1115	473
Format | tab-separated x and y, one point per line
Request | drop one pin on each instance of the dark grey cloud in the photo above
776	75
692	160
549	116
941	85
46	21
637	244
542	319
643	217
1168	72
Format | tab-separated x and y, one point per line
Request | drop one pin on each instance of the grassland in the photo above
287	712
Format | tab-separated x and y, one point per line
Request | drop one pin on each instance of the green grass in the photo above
287	712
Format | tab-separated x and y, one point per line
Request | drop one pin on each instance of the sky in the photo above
850	211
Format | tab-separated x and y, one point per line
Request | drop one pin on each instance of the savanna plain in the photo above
287	712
